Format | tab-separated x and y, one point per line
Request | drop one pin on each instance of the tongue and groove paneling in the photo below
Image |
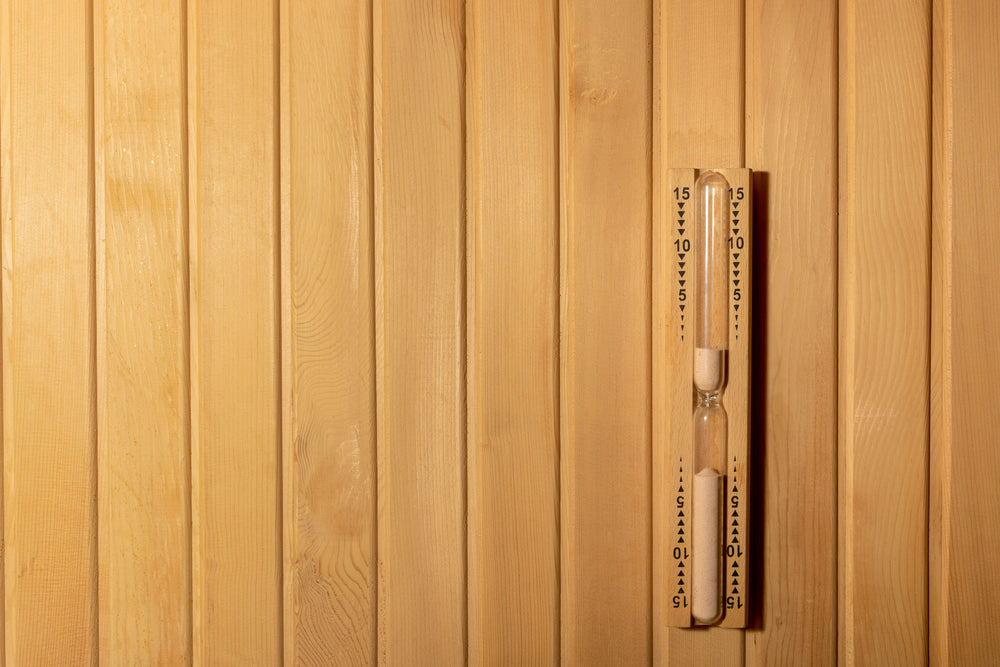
49	391
233	273
143	419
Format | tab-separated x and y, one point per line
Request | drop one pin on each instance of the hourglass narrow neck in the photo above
709	398
710	430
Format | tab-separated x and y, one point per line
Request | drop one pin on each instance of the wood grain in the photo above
942	120
792	139
419	74
967	460
699	75
739	543
513	298
6	294
266	269
605	206
329	475
701	80
884	338
673	399
236	553
50	476
144	532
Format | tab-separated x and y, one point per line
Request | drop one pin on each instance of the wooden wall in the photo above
326	327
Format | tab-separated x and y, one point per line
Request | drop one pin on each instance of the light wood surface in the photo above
673	400
966	461
329	511
700	74
420	326
940	332
699	71
605	186
143	430
792	148
739	398
50	476
884	339
328	328
686	440
233	220
513	332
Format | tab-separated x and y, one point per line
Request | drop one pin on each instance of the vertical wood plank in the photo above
701	79
672	351
737	543
142	340
419	70
700	124
605	208
6	243
792	139
327	228
513	300
234	357
289	529
884	280
50	483
967	461
942	56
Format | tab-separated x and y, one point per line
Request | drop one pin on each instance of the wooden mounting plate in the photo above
673	395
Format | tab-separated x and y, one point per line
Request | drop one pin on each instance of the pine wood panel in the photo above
419	74
701	83
884	339
236	551
966	461
513	298
605	207
144	530
792	148
700	122
329	479
940	330
50	482
397	211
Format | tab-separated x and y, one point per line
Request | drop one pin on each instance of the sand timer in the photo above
711	334
702	332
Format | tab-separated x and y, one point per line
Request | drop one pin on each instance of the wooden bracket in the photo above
673	334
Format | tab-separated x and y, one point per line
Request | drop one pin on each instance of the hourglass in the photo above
701	364
711	341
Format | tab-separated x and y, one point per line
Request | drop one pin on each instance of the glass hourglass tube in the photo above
711	340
